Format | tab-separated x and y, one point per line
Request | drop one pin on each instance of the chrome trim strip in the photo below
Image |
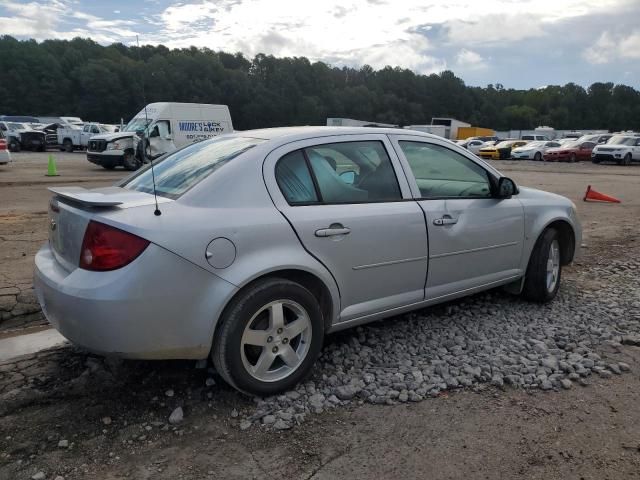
479	249
392	262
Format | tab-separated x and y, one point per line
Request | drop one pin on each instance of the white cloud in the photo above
613	47
43	20
468	59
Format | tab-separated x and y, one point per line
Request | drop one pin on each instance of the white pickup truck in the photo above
73	138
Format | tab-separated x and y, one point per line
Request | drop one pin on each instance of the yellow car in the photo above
501	151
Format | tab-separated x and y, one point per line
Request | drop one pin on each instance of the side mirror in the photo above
348	177
140	132
506	188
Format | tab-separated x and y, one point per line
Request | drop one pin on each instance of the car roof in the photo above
301	133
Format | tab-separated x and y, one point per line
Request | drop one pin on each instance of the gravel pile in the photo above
492	338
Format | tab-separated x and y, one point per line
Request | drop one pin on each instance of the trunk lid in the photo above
71	209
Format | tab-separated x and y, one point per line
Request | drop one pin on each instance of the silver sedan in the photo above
264	241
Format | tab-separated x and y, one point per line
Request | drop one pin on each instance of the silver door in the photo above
474	240
375	249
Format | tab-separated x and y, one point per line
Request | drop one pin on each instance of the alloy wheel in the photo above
276	340
553	265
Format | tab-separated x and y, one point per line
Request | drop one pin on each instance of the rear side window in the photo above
294	179
183	169
347	172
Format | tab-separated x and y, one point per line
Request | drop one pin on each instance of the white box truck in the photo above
165	127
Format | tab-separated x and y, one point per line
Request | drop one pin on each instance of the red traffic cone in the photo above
593	196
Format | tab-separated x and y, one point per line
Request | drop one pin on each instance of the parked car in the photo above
473	144
22	137
532	150
5	156
280	236
531	138
596	138
500	151
622	149
570	152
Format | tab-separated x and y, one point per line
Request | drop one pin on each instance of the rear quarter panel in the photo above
231	203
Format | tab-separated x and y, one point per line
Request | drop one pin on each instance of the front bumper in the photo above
607	157
495	155
138	311
556	158
521	156
105	159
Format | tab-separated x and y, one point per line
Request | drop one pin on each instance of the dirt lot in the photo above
113	415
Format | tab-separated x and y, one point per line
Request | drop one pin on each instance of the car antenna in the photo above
157	211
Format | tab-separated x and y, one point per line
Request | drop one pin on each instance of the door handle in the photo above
333	231
445	220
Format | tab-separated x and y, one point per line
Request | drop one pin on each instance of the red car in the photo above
570	152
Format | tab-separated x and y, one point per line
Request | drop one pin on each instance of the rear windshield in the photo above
180	171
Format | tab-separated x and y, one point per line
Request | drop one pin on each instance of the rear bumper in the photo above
138	311
106	160
5	157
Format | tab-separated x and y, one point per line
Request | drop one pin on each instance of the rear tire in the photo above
544	271
626	160
68	145
237	359
537	157
130	161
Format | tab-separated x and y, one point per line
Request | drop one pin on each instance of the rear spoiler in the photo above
87	197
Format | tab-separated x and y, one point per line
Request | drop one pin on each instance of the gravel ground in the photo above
490	341
489	338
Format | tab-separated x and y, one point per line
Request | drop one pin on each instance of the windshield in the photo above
504	144
14	126
537	143
620	140
183	169
137	123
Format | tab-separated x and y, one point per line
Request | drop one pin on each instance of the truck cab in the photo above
157	129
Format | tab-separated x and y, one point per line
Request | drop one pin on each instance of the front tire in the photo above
14	146
572	158
544	271
269	337
130	161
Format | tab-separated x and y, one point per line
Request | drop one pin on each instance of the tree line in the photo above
105	83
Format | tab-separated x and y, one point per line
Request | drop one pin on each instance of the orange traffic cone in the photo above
593	196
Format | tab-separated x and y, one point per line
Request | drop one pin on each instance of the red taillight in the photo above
3	144
108	248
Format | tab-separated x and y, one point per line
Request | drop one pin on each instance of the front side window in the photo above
347	172
443	173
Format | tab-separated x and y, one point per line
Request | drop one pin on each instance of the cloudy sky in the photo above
519	43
